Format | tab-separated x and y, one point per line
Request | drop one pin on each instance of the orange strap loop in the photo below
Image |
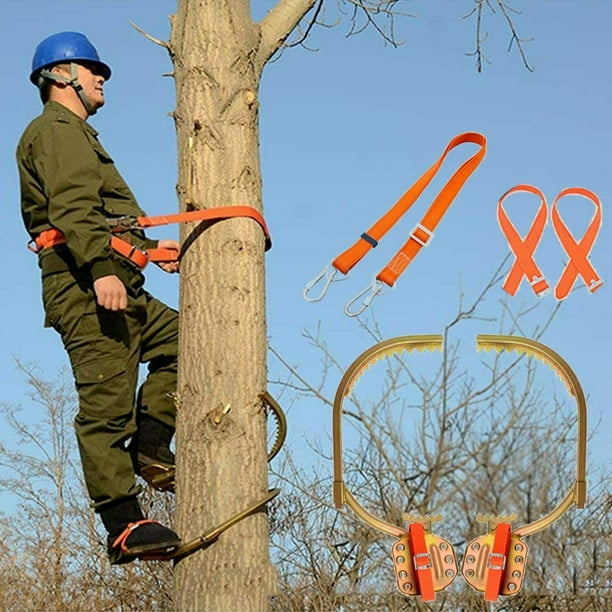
140	258
578	251
496	563
422	561
119	542
419	237
523	249
212	215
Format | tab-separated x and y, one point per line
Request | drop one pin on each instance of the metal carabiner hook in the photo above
330	271
374	288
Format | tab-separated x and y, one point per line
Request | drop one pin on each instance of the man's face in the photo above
92	82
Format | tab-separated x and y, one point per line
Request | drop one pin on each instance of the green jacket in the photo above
70	183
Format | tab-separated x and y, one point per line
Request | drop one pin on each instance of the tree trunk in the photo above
218	54
221	467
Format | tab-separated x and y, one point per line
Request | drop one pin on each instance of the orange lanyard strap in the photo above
419	237
211	215
524	264
422	561
496	563
140	258
578	251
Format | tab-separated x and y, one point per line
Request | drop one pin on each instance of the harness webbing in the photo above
140	258
421	558
496	563
524	249
577	250
419	237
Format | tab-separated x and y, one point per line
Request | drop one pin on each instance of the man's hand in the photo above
169	266
110	292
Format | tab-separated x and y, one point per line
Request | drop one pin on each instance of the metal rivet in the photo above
511	586
475	546
448	559
400	559
443	546
407	586
518	559
403	574
469	573
449	573
518	547
516	574
470	559
400	547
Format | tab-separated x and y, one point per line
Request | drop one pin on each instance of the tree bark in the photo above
218	57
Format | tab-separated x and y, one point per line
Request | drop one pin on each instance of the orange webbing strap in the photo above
422	561
208	214
578	251
53	237
496	563
119	542
424	230
523	249
138	256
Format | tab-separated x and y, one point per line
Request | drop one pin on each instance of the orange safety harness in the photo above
524	248
578	251
419	237
140	258
524	264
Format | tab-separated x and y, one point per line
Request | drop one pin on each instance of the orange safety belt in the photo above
53	237
496	563
419	237
578	251
422	561
523	249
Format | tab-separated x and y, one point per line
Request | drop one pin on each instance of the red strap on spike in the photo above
496	562
119	542
577	250
524	248
422	562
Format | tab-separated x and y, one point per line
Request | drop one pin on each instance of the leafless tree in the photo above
53	553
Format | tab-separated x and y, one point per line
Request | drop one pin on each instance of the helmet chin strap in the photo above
73	81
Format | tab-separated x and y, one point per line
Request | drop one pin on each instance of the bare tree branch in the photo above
157	41
278	24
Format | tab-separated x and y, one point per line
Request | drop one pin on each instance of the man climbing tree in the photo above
93	294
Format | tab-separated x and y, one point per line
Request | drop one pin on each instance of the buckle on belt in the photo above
126	223
423	229
496	561
418	565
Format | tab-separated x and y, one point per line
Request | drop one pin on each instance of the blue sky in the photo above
345	130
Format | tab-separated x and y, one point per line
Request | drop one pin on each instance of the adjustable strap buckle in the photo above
328	277
423	240
497	561
540	286
422	561
126	223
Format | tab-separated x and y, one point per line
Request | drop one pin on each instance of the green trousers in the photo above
105	350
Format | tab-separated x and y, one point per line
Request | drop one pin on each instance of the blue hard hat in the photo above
66	47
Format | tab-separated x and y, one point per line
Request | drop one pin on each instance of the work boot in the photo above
151	455
130	535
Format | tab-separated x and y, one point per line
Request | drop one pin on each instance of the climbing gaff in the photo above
495	562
